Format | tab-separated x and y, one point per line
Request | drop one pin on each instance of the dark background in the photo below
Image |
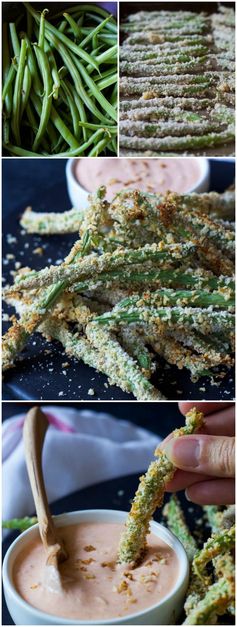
161	418
197	7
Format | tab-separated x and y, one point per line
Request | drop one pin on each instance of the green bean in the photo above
63	129
63	38
67	59
73	110
21	152
94	32
96	150
88	7
31	60
9	79
16	105
80	107
36	101
14	39
74	26
112	129
26	86
47	99
41	38
105	104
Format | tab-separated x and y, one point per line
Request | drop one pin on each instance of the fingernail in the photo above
183	452
186	496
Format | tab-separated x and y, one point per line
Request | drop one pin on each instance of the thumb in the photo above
205	454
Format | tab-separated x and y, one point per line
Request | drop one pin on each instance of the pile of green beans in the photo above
60	83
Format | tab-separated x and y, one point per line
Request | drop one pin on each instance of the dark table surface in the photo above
40	375
161	418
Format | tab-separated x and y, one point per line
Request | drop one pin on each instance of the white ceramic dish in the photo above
79	196
165	612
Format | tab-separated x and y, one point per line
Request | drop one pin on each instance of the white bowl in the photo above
79	195
165	612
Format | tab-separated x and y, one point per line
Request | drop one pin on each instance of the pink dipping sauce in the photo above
150	175
95	586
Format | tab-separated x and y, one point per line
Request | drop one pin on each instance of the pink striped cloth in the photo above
82	447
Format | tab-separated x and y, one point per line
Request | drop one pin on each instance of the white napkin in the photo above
81	448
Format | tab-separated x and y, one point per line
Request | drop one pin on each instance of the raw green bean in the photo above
16	105
74	26
14	39
41	38
63	38
47	99
9	79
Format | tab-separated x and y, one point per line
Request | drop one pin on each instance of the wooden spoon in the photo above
35	427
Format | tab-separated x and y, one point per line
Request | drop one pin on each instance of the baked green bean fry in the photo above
51	223
177	524
218	544
119	365
171	277
196	318
95	264
149	496
135	346
19	523
16	104
168	297
17	336
214	517
214	603
178	143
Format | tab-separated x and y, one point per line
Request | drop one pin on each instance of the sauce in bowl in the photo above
150	175
95	587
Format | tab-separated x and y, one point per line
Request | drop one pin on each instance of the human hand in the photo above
205	460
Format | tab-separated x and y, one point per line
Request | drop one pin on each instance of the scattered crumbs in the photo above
122	587
11	239
106	385
10	256
108	565
26	245
203	389
61	393
88	561
89	547
17	265
34	586
179	392
120	492
91	392
38	251
64	372
90	576
65	364
5	317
